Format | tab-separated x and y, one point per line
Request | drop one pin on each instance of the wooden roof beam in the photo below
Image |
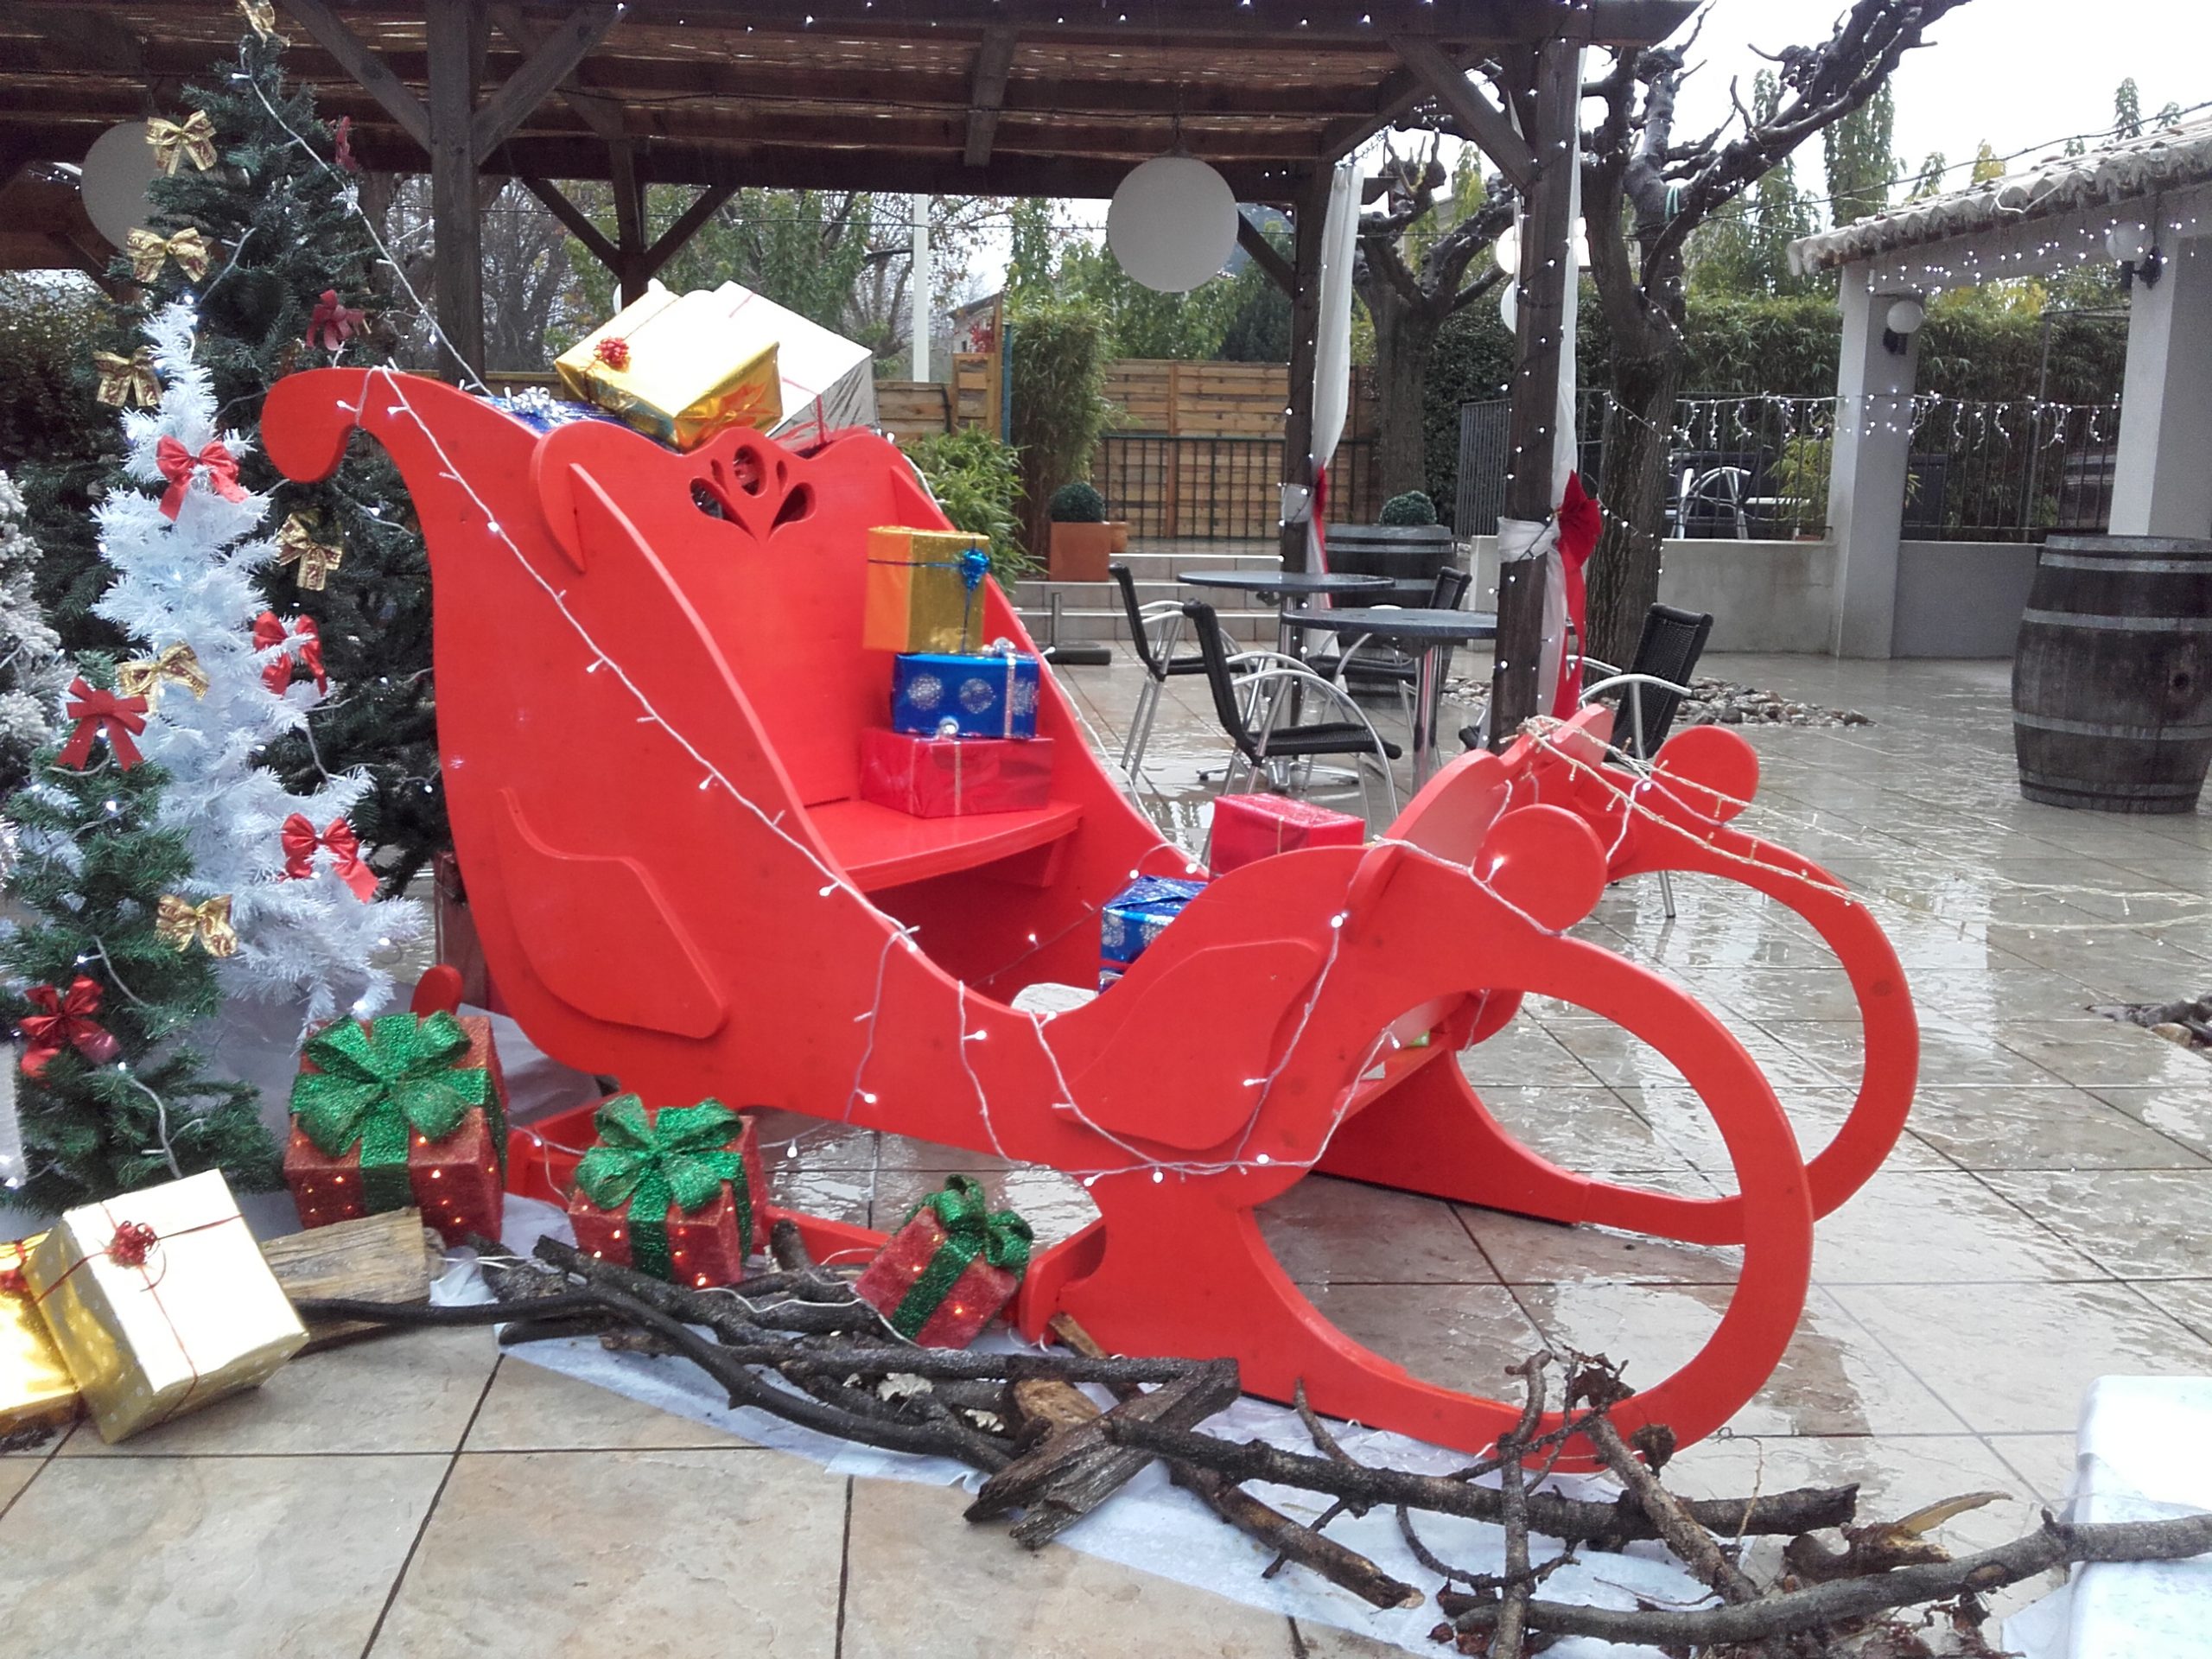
1484	122
994	64
602	114
1254	241
574	219
370	72
86	39
550	63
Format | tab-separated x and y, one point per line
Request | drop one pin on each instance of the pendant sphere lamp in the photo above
1173	224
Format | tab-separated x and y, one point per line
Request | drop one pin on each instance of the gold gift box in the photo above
200	1317
36	1386
917	597
688	369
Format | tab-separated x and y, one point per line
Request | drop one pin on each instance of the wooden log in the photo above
387	1258
1071	1474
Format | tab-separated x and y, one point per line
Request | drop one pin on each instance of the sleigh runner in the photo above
652	689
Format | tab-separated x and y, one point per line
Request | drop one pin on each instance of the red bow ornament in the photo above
334	322
300	842
268	630
178	464
65	1021
94	708
614	352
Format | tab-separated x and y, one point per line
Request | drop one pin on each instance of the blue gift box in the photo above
992	696
1137	915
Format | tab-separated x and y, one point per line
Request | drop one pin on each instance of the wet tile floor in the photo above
2043	1222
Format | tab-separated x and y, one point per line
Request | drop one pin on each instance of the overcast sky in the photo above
2017	72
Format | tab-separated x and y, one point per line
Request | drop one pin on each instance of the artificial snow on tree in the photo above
296	282
111	1093
30	654
185	557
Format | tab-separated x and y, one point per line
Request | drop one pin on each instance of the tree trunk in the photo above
1405	341
1624	573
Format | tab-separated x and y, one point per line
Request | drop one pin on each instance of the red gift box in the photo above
704	1245
457	1181
955	777
945	1275
1248	828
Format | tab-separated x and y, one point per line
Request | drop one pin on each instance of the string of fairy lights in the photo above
833	887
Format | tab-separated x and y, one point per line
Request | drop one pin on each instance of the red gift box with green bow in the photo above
402	1110
948	1271
679	1192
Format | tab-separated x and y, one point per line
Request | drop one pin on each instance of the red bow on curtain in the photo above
300	842
1580	519
65	1021
178	464
91	708
268	630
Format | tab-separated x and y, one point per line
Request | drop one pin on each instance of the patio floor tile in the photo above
208	1558
650	1554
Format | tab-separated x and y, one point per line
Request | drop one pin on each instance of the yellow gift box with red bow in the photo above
678	367
35	1386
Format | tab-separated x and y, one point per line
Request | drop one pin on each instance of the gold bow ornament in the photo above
147	248
296	544
191	140
261	14
143	678
127	382
178	922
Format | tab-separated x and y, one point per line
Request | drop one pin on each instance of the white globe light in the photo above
117	168
1509	305
1173	224
1906	315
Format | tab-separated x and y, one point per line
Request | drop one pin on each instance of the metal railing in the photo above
1757	466
1222	489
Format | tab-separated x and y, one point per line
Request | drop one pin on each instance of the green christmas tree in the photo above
111	1097
291	281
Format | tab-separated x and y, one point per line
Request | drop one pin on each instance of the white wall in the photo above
1954	598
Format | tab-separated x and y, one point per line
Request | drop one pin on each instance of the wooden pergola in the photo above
1012	98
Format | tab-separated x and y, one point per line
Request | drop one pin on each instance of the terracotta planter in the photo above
1120	529
1080	552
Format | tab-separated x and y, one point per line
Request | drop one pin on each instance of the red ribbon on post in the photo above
94	708
300	842
178	464
65	1021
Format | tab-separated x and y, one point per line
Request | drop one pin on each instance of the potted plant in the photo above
1409	546
1082	540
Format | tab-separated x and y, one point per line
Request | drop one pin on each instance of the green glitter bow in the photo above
971	1228
378	1082
680	1156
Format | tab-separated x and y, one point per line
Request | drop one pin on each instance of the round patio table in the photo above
1430	635
1291	591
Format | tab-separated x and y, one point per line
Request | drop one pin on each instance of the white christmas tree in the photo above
31	673
185	554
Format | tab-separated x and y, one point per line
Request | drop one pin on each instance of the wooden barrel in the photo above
2112	681
1410	554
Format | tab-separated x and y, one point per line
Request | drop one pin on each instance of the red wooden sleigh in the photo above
651	689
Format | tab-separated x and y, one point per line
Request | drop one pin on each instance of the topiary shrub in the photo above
1413	508
1077	504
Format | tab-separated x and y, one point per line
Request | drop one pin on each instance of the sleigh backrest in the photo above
771	547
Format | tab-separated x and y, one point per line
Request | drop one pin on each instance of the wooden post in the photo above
1310	211
629	219
1548	264
456	28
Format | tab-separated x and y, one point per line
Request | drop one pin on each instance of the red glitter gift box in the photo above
699	1166
384	1159
945	1275
955	777
1248	828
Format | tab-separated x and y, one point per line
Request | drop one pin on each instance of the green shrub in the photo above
1411	509
975	479
1077	504
1059	404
